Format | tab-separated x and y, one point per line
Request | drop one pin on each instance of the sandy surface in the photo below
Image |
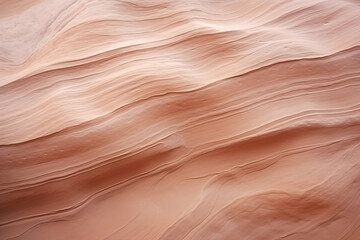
191	120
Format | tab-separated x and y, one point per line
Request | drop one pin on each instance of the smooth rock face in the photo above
186	119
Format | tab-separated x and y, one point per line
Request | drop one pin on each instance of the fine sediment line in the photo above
171	120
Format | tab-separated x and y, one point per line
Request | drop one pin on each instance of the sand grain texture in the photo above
191	120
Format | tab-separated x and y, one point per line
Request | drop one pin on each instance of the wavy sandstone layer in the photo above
195	119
